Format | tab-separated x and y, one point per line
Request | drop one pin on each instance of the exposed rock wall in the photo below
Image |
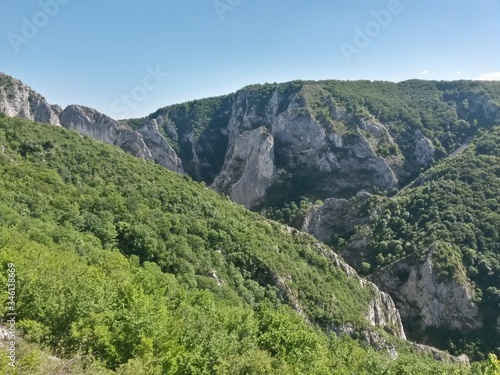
382	311
88	121
146	143
425	301
19	100
336	217
249	168
310	157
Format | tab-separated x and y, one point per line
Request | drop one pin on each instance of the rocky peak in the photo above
19	100
90	122
146	143
160	150
305	147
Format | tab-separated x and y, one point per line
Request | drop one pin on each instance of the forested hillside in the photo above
326	138
122	266
449	218
456	212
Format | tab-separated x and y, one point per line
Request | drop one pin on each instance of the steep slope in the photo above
17	99
434	247
64	213
330	138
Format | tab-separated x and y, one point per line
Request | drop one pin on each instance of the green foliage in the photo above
124	267
448	113
453	214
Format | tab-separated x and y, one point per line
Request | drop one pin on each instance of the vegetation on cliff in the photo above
124	266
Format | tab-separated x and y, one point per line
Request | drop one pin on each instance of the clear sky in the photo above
127	58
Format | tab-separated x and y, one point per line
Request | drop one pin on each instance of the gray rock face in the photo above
336	217
249	168
482	104
442	356
382	311
146	143
158	147
149	144
426	301
424	152
303	149
19	100
88	121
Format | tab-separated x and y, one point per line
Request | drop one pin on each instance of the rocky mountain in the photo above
137	267
17	99
348	143
323	140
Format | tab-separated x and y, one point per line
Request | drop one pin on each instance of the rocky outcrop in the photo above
368	336
146	143
157	147
382	311
88	121
442	356
424	151
249	168
19	100
479	107
336	217
425	301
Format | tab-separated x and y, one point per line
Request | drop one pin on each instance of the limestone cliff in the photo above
146	143
336	217
88	121
19	100
381	311
308	156
249	168
425	301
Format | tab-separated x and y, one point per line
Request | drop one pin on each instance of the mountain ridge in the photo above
211	264
268	145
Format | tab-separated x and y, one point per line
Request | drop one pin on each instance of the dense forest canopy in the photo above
124	266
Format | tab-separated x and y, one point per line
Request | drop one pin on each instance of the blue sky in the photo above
128	58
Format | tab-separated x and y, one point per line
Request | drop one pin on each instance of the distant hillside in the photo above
322	139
